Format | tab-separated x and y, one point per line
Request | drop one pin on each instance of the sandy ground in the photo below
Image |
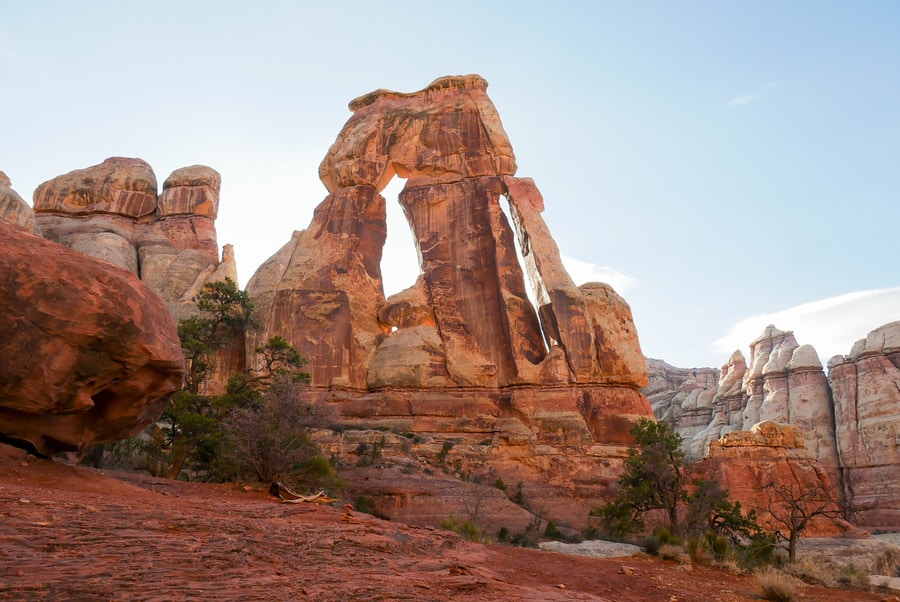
73	533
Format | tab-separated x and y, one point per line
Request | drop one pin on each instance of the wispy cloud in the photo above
584	271
830	325
747	99
743	100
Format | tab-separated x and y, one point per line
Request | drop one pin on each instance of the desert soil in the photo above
74	533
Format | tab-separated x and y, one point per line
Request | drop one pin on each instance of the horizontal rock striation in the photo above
112	211
850	419
866	388
463	350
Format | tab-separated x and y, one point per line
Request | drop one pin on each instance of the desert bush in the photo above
854	577
775	586
552	531
673	552
503	534
523	540
362	505
271	440
467	529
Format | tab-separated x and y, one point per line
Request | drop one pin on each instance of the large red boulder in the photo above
89	353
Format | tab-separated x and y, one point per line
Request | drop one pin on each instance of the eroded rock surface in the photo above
13	207
89	353
748	462
541	395
112	211
474	324
850	420
866	387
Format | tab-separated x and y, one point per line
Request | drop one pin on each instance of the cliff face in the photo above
849	419
112	211
530	394
770	455
866	388
468	317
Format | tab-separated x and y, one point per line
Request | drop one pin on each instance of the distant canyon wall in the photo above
850	419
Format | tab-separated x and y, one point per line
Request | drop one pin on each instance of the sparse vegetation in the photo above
257	429
775	586
794	508
467	529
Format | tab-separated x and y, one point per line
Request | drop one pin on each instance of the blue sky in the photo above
723	164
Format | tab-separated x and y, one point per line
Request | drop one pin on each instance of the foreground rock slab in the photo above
70	533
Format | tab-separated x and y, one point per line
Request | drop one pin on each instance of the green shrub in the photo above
651	545
552	531
523	540
500	484
503	534
466	529
362	505
665	536
519	498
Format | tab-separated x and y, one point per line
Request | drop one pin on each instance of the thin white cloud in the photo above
743	100
747	99
584	271
830	325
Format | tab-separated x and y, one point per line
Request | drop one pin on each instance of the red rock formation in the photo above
784	383
849	420
112	211
866	386
544	396
480	329
89	353
322	291
13	208
746	462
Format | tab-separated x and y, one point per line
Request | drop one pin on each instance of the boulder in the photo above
90	354
118	186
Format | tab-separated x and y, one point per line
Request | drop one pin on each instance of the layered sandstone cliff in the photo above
462	357
866	389
749	464
849	419
112	211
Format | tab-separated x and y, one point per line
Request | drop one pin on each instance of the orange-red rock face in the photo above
322	291
471	323
13	208
90	354
850	420
543	396
112	211
747	462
